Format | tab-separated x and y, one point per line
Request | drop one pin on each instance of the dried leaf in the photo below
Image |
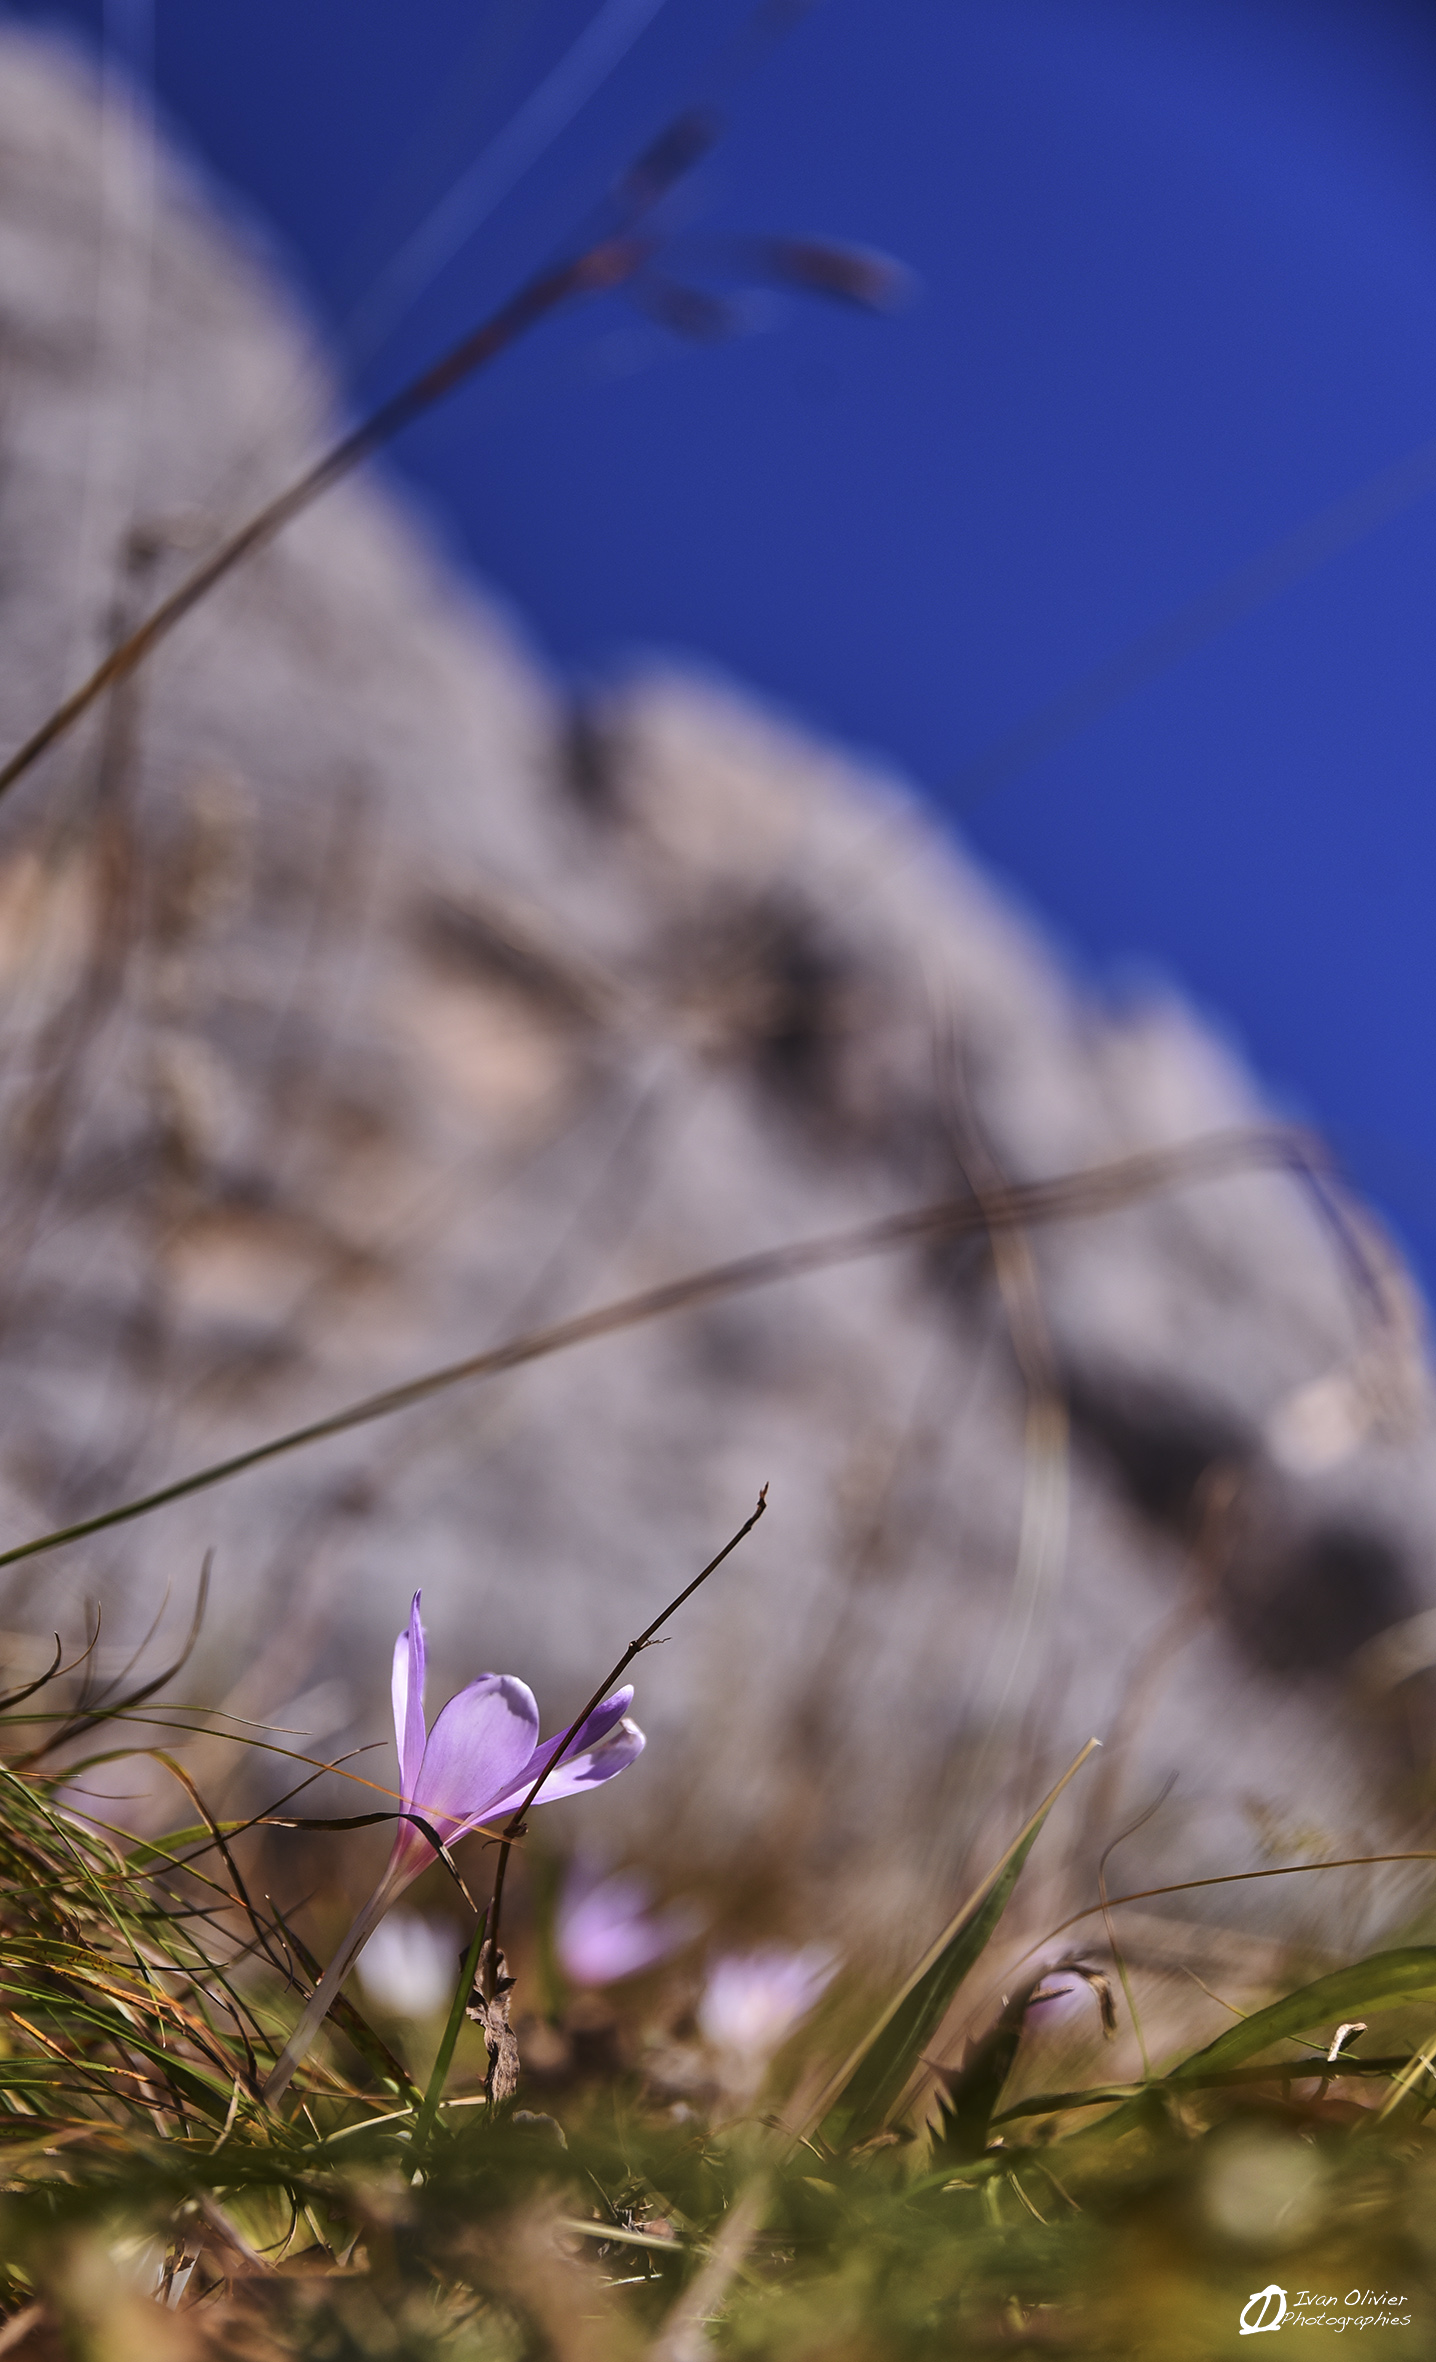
492	2014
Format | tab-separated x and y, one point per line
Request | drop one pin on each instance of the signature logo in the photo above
1265	2310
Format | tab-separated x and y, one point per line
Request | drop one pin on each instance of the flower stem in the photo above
316	2008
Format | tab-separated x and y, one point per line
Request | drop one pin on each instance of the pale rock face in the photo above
361	1007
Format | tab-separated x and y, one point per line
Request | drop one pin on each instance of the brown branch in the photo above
635	1648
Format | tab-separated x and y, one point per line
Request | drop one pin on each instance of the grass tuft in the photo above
892	2206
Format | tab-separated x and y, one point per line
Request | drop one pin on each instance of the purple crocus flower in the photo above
472	1770
605	1928
482	1756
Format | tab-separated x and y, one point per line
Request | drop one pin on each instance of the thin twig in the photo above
605	1687
1221	2002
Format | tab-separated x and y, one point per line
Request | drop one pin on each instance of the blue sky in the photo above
1177	273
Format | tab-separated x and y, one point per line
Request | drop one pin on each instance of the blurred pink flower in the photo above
605	1928
753	2000
410	1965
1057	1999
1068	1989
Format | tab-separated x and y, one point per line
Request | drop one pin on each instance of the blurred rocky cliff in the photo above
364	1003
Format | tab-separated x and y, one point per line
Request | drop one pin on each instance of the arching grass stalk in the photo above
1086	1194
620	250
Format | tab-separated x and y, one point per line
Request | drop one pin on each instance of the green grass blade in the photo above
164	1852
1105	2095
971	2092
1383	1982
445	2057
869	2086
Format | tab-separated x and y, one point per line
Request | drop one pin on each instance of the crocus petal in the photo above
477	1749
612	1755
408	1689
597	1726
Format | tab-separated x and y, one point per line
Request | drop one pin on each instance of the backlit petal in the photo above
598	1725
477	1748
408	1690
612	1755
